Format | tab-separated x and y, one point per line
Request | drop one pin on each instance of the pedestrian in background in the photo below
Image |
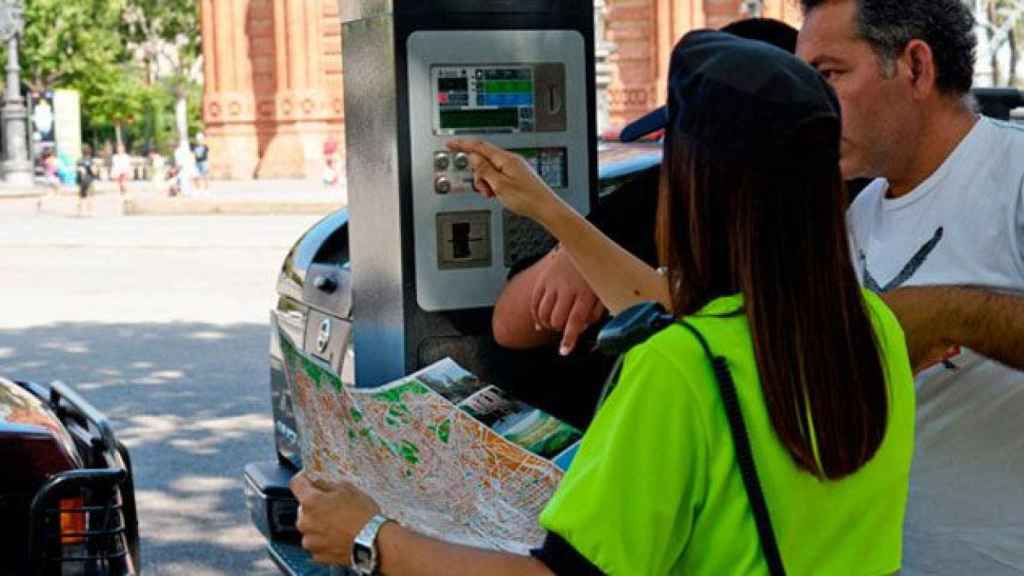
332	163
50	169
121	168
86	180
185	169
202	154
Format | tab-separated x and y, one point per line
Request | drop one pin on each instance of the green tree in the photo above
71	43
120	99
168	34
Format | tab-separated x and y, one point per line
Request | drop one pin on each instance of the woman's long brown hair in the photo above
773	228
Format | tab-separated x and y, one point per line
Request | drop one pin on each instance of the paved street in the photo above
163	324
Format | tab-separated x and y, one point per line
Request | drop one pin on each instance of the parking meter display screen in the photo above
483	99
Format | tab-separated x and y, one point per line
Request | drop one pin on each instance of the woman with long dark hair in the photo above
767	427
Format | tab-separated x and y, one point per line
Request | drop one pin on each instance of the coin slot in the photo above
464	240
460	241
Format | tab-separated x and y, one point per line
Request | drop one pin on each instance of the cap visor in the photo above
645	125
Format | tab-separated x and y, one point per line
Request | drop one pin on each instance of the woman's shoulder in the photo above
670	366
887	326
673	347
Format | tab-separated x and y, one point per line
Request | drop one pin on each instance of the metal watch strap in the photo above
367	537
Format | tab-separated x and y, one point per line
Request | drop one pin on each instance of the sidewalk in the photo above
258	197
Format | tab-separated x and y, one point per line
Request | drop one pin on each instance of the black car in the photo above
66	496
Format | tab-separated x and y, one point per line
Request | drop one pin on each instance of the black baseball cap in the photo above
774	32
737	96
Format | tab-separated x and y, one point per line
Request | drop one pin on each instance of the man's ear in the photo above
918	59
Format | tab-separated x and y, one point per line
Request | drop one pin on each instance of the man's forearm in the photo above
933	317
406	553
991	323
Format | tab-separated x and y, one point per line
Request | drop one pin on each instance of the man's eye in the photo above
829	73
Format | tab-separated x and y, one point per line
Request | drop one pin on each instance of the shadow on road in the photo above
191	402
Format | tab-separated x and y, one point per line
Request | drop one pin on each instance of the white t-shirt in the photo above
121	164
963	225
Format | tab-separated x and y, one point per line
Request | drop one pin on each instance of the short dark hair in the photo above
947	26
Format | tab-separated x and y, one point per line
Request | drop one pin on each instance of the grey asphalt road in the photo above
163	324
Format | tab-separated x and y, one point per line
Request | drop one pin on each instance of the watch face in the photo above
362	556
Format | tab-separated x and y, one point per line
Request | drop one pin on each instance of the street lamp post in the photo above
17	169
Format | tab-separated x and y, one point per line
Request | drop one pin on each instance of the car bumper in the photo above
108	541
273	511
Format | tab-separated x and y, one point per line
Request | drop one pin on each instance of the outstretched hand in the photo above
498	173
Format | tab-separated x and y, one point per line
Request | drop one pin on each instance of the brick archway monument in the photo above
274	80
644	32
273	86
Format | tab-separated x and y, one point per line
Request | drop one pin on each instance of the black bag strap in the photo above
744	454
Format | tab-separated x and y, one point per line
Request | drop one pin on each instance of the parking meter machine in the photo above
429	254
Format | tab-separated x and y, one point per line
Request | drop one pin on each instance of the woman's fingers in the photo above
486	178
491	153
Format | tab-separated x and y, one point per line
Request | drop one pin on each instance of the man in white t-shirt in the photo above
947	207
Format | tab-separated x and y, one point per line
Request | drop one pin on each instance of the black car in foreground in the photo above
66	494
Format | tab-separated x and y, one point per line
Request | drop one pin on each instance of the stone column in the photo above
16	166
301	107
229	107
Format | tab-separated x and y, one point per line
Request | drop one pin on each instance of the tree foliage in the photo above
131	60
71	43
168	33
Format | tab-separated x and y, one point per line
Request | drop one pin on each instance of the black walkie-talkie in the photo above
633	326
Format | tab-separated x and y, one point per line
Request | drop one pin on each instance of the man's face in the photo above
875	109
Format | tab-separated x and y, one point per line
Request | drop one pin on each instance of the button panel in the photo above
452	174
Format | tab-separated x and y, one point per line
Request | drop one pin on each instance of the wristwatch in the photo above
365	560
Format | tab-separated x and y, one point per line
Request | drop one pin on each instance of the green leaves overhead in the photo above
129	59
70	42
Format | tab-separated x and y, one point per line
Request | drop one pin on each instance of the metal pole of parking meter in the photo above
429	256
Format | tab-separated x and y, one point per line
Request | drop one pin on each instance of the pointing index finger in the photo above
488	151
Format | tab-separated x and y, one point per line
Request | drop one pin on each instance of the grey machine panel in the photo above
521	90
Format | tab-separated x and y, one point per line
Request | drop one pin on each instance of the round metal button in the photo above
442	185
441	161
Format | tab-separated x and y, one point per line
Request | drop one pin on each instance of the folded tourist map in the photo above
440	451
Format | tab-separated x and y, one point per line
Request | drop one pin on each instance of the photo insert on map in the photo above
451	381
521	424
